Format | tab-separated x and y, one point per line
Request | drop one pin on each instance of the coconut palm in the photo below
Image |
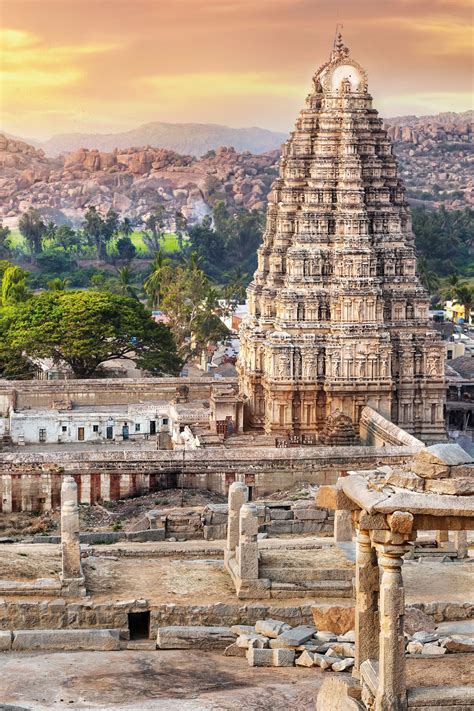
152	284
125	278
464	295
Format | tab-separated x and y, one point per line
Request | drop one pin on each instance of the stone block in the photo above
275	528
194	637
280	515
271	628
233	650
260	657
215	532
252	640
400	522
5	640
305	660
456	643
293	637
312	514
243	629
283	657
329	497
343	649
453	487
433	649
417	621
66	639
343	665
334	618
152	534
414	647
324	662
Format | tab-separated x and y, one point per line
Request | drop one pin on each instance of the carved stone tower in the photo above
337	316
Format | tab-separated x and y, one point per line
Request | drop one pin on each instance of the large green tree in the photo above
87	328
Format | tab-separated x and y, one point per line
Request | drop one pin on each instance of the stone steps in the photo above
303	575
326	588
41	586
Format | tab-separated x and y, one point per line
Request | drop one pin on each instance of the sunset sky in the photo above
110	65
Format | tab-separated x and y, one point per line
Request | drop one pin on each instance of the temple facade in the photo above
338	318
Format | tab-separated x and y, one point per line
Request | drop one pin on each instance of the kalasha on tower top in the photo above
337	317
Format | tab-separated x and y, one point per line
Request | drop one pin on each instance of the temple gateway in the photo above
338	318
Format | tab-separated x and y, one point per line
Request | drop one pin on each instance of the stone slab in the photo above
293	637
5	640
194	637
271	628
66	639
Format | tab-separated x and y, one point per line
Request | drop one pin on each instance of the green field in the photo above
169	243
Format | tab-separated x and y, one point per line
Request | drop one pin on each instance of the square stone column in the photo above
72	577
342	525
238	495
247	555
367	602
391	691
461	544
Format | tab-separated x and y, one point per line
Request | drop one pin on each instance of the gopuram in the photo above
338	318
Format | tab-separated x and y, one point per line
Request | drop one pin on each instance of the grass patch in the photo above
169	243
15	238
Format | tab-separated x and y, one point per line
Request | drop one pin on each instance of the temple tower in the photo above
337	317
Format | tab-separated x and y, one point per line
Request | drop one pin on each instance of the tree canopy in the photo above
87	328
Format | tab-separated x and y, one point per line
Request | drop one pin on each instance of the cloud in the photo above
429	102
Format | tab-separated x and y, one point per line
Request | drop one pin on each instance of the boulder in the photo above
337	618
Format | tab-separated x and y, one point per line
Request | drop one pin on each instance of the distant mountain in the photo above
184	138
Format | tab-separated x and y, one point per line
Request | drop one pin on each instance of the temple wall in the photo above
32	481
41	394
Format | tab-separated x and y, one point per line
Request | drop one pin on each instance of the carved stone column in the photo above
72	577
391	692
460	542
238	495
247	557
367	602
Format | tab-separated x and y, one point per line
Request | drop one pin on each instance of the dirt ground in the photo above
180	681
163	572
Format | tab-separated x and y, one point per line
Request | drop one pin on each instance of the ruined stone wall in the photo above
59	614
31	481
42	393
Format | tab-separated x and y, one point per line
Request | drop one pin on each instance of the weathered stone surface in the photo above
271	628
70	639
260	657
233	650
252	640
400	521
339	694
457	487
457	643
243	629
5	640
417	621
414	647
305	660
406	480
343	665
344	649
293	637
206	638
283	657
435	462
426	637
324	662
433	649
336	618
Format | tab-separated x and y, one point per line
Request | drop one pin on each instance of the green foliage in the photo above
4	240
100	230
33	230
14	288
126	250
231	243
444	239
86	328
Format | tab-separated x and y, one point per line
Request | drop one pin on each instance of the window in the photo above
137	427
42	434
64	428
165	421
95	428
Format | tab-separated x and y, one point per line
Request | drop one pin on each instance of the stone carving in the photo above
336	205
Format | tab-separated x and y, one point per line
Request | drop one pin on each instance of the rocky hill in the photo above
435	154
194	139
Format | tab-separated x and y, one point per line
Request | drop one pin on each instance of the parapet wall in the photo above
24	394
377	431
32	481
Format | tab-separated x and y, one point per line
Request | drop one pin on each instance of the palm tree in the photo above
428	278
152	284
125	277
464	295
58	284
126	227
452	284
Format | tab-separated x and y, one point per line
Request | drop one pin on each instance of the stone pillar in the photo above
367	602
70	546
105	486
460	542
391	691
238	495
247	556
342	526
7	493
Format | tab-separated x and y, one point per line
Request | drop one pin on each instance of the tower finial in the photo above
339	49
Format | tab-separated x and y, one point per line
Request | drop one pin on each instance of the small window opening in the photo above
95	428
139	625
